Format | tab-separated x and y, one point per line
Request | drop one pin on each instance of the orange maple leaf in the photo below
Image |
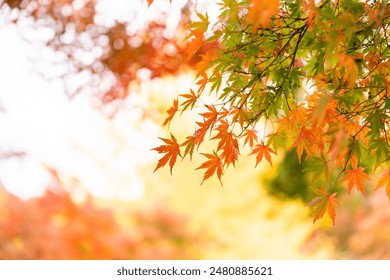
293	121
262	150
261	11
228	144
305	141
384	181
299	116
322	109
214	164
202	82
171	112
251	137
355	177
210	117
205	61
350	67
197	41
324	203
338	149
171	151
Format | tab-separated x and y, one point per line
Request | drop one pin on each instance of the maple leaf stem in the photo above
363	126
376	105
251	83
337	179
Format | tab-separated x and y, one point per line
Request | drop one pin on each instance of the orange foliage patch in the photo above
55	227
261	11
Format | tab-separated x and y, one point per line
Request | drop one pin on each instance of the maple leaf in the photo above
351	69
171	150
293	121
195	44
171	112
305	141
338	149
276	140
284	124
214	164
355	177
262	150
191	100
240	115
210	117
190	145
207	58
323	109
384	181
202	82
250	137
261	11
324	203
299	116
228	144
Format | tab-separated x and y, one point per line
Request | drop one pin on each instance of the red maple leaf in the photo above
171	151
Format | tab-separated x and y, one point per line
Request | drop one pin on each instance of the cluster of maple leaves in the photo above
53	226
320	88
119	55
315	73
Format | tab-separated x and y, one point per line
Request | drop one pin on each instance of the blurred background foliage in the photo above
258	213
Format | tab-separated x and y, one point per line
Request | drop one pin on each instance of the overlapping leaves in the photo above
317	87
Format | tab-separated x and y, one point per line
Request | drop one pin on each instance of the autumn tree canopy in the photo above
304	75
307	76
110	53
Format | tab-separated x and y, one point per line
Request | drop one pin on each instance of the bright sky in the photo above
103	155
69	135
